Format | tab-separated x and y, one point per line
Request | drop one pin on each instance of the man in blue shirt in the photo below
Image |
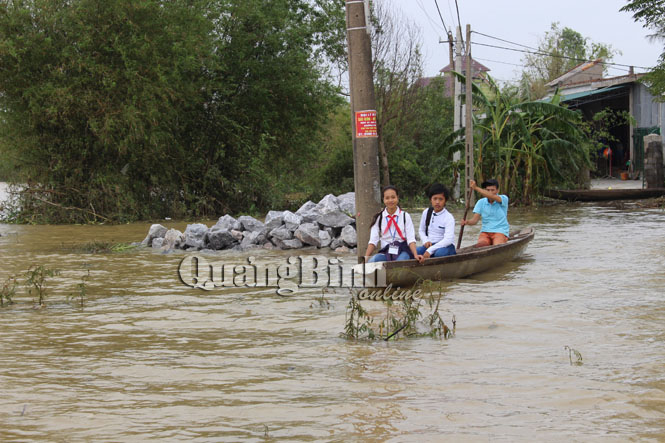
493	209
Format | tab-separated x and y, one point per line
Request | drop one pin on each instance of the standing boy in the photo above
437	226
493	209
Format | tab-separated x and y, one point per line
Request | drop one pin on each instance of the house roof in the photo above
475	67
578	95
573	72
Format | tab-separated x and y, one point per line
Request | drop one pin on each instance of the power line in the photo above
496	61
441	16
432	23
506	41
549	54
459	22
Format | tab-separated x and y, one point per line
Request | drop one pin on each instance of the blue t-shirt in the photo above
495	215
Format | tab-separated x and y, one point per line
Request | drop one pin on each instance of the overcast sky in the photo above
524	22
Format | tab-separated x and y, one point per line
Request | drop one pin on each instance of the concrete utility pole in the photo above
468	148
363	121
457	110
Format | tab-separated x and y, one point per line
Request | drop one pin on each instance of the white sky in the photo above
525	21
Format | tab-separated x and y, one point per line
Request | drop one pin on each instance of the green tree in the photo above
559	50
652	14
136	109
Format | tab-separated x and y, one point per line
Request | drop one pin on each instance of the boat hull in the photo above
468	261
589	195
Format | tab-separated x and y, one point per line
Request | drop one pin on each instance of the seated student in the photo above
437	226
394	228
493	209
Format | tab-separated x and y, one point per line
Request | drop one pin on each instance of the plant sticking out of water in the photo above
321	300
358	322
8	291
403	318
100	247
578	356
81	288
36	281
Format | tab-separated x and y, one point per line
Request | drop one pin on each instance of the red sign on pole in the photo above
366	124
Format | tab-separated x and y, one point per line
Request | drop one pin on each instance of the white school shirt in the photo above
405	225
441	230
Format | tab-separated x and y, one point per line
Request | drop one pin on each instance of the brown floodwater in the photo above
147	358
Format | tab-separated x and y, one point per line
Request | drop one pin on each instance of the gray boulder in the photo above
291	220
274	219
195	236
293	243
220	238
308	233
269	246
308	212
342	249
324	239
229	223
330	214
155	231
252	239
349	236
336	243
157	242
173	239
281	233
237	235
347	203
251	224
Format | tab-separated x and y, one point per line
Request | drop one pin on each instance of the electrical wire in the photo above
549	54
433	24
506	41
496	61
459	22
441	16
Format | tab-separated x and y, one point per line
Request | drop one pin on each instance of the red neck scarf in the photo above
393	222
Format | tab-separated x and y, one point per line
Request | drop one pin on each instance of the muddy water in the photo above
147	358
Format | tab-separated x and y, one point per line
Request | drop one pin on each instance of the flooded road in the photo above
147	358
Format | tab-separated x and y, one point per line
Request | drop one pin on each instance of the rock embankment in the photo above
329	223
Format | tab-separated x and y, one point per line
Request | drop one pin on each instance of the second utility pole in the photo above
468	111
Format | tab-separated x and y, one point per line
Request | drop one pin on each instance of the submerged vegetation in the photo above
37	282
100	247
8	291
576	353
403	318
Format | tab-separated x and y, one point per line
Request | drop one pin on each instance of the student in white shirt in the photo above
437	231
394	228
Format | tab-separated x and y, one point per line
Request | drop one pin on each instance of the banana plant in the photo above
529	145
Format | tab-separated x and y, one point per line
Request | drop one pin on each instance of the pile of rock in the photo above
326	224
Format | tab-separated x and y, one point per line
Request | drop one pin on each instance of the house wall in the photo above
646	111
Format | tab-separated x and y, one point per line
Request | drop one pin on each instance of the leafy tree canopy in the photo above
559	50
139	109
652	14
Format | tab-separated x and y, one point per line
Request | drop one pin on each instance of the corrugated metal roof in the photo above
577	95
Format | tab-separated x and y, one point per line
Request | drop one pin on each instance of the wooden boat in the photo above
590	195
468	261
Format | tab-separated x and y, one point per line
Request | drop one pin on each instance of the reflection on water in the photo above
148	358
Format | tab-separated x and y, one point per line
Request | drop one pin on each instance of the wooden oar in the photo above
466	210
